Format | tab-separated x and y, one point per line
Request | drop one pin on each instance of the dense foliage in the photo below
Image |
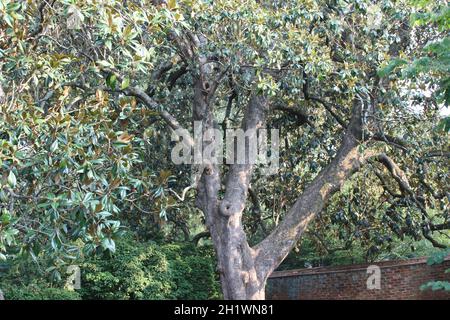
437	258
149	271
38	290
91	90
138	270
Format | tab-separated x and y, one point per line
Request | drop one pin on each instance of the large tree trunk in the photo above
241	279
236	260
244	270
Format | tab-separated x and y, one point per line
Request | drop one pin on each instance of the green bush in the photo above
151	271
437	258
21	280
137	270
37	290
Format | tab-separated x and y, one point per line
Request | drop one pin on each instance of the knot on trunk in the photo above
228	208
208	170
245	277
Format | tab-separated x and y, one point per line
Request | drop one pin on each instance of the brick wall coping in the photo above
350	267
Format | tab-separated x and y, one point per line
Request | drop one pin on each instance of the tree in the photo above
95	75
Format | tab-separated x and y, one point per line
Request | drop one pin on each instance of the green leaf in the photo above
438	257
6	217
444	125
388	69
12	181
111	81
125	83
172	4
109	244
54	146
108	44
9	20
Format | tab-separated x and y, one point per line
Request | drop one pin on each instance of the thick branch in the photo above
145	99
296	112
238	179
201	235
396	173
394	141
274	248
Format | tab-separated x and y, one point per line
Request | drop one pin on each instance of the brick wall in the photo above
399	280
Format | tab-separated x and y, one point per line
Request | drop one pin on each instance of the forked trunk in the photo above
236	262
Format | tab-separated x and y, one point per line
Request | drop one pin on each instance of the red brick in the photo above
399	280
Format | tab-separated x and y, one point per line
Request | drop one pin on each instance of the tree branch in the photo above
39	28
330	110
215	83
331	250
149	102
174	76
396	142
439	227
435	243
199	236
257	208
274	248
233	96
183	195
144	98
385	185
238	179
396	172
297	112
439	153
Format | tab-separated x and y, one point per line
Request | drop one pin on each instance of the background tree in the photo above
92	90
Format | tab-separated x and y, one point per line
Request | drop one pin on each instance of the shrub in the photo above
37	290
438	258
137	270
151	271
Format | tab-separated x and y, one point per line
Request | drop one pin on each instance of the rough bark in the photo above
235	257
244	270
272	250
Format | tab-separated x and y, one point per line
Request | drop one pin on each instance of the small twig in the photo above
185	190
